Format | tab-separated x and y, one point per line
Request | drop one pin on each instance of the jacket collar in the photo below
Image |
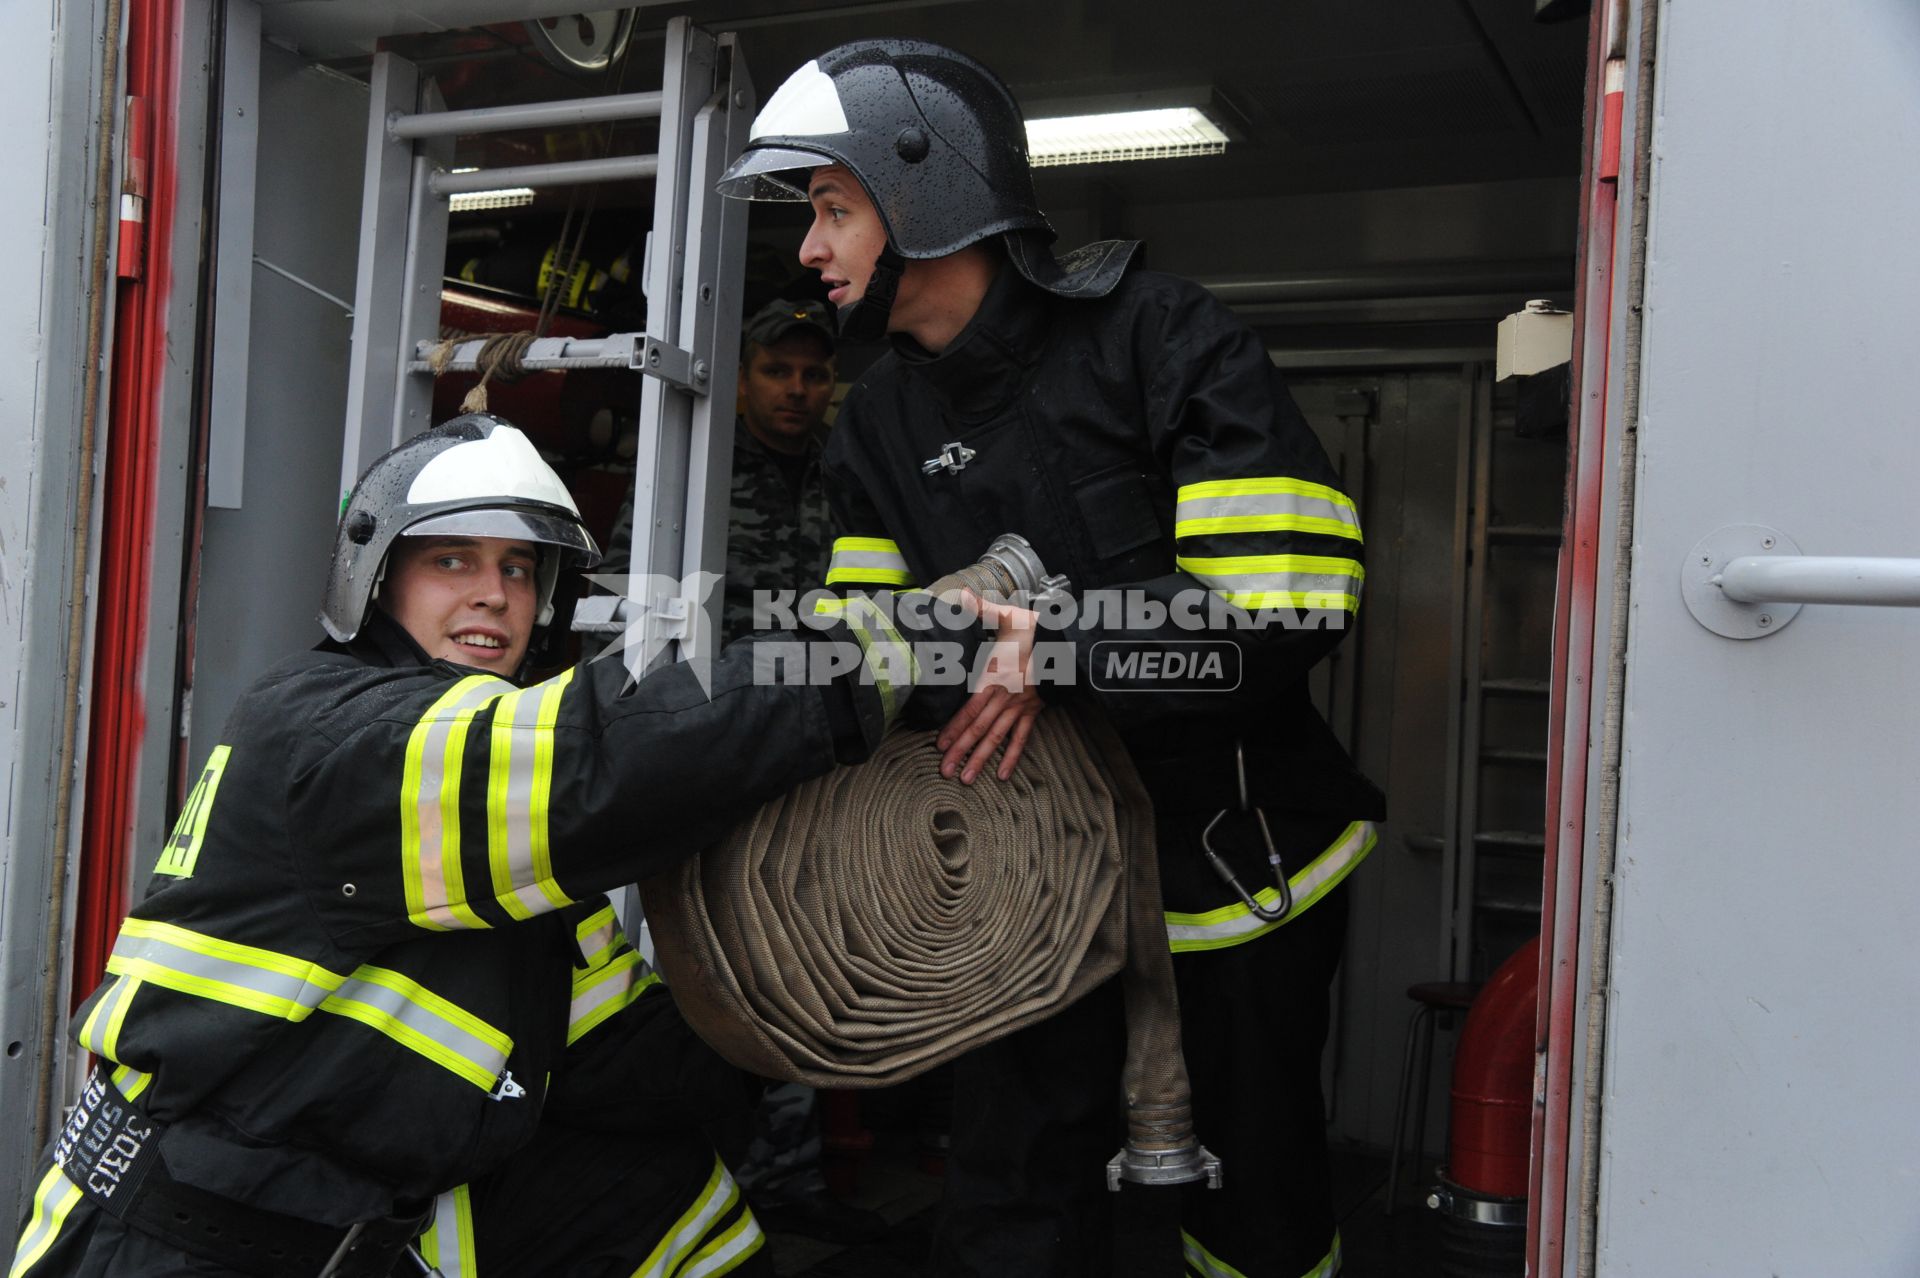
982	369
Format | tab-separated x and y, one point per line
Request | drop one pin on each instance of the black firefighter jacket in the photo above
375	947
1146	446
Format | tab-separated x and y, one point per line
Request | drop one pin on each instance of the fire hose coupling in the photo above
1009	570
1161	1149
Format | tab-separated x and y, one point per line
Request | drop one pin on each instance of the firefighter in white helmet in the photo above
1138	435
374	988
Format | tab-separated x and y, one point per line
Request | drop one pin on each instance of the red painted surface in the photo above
1491	1139
117	719
1570	706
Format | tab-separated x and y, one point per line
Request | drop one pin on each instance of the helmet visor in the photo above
515	525
770	173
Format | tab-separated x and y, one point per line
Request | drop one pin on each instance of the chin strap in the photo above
866	319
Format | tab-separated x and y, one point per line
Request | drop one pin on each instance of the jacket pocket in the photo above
1117	510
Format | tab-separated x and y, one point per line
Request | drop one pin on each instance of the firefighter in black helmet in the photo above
375	986
1138	435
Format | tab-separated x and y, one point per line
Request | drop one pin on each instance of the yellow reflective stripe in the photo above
1280	581
100	1032
1235	924
828	607
130	1082
447	1244
597	935
606	991
1271	485
418	1019
182	849
1251	565
728	1251
868	559
889	659
519	786
672	1251
1255	600
1207	1265
242	976
1269	504
541	797
52	1201
500	858
430	805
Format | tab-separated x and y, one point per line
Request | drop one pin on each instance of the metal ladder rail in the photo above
704	106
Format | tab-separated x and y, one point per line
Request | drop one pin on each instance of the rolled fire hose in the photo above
880	920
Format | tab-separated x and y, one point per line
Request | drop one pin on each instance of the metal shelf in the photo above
1511	840
1542	535
1525	758
1515	687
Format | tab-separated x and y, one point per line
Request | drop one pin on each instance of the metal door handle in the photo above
1746	581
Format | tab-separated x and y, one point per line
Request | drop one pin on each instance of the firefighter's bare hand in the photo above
1004	706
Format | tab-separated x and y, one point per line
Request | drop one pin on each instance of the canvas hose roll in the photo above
880	920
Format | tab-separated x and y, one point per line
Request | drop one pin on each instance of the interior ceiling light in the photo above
1162	134
507	197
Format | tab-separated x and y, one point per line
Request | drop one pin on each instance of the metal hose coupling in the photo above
1008	571
1161	1149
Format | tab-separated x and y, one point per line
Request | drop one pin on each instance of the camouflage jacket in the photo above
779	537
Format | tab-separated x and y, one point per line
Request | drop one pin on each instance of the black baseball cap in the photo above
780	317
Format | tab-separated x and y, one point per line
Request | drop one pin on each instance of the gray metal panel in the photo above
262	567
48	100
1759	1115
233	263
425	231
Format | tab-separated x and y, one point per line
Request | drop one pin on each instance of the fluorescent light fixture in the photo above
1162	134
507	197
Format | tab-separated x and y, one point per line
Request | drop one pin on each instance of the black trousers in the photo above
1038	1114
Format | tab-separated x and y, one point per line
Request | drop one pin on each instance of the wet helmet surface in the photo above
474	476
935	138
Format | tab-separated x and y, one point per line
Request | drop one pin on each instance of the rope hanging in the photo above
500	353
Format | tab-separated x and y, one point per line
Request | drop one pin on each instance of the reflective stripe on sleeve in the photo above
888	657
873	561
1236	924
713	1202
1280	581
606	991
519	792
447	1244
597	935
430	806
52	1201
1271	504
239	975
130	1082
100	1033
418	1019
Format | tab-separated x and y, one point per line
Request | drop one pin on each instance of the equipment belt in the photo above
111	1151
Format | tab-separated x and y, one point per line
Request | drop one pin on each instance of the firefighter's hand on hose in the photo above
1005	704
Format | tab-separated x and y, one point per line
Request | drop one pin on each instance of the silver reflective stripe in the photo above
597	934
224	971
868	559
729	1250
519	786
1257	505
418	1019
667	1256
101	1031
606	990
1235	924
1280	581
430	806
55	1197
448	1243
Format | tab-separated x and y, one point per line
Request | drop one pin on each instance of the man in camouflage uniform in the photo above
778	525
